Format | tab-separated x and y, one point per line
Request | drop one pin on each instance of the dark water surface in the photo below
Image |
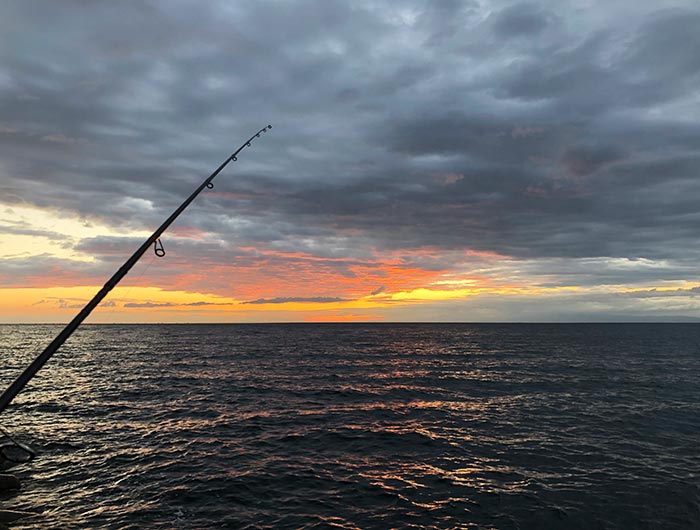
360	426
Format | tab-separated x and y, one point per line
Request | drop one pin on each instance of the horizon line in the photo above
687	320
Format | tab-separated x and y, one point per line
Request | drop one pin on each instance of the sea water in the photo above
581	426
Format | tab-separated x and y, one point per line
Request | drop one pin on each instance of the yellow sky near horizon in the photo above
153	304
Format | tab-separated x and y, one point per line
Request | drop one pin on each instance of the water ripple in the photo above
360	426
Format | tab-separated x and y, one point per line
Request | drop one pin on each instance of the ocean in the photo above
359	426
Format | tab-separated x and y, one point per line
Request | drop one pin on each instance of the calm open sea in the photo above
581	426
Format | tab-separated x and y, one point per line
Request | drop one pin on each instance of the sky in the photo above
444	160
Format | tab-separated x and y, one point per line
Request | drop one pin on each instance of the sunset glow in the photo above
261	284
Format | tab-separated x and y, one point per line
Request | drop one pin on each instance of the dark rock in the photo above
8	482
7	516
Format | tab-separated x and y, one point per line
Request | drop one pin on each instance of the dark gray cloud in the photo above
33	271
656	293
534	130
524	19
150	304
18	229
312	299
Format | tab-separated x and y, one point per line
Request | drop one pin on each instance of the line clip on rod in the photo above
158	248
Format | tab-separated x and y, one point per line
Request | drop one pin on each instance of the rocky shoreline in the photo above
9	486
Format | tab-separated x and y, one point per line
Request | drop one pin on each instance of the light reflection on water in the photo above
360	426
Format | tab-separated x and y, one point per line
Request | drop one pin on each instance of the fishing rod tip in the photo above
269	126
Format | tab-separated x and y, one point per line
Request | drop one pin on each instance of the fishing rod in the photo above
24	378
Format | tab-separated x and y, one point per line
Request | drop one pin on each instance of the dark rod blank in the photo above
31	370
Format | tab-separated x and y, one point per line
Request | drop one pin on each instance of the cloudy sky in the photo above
444	160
